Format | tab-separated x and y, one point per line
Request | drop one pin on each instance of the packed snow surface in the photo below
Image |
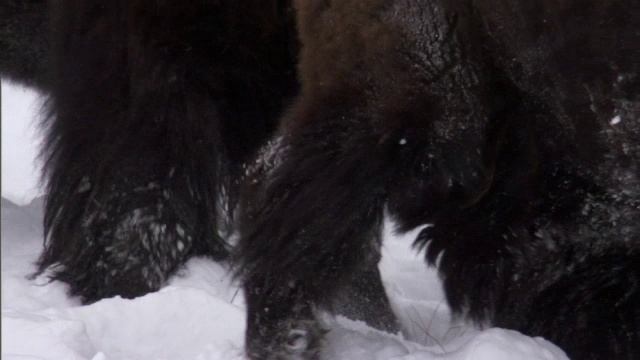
200	314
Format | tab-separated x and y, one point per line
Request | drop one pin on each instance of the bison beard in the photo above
490	119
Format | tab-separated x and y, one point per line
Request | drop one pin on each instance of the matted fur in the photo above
513	126
153	108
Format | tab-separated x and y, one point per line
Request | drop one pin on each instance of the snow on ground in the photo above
200	314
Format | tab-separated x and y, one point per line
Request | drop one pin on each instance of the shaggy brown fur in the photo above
513	126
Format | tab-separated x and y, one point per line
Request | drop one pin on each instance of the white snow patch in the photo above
616	120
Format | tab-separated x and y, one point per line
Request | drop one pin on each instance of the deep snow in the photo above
200	313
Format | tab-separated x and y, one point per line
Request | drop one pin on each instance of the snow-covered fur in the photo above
153	108
512	126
